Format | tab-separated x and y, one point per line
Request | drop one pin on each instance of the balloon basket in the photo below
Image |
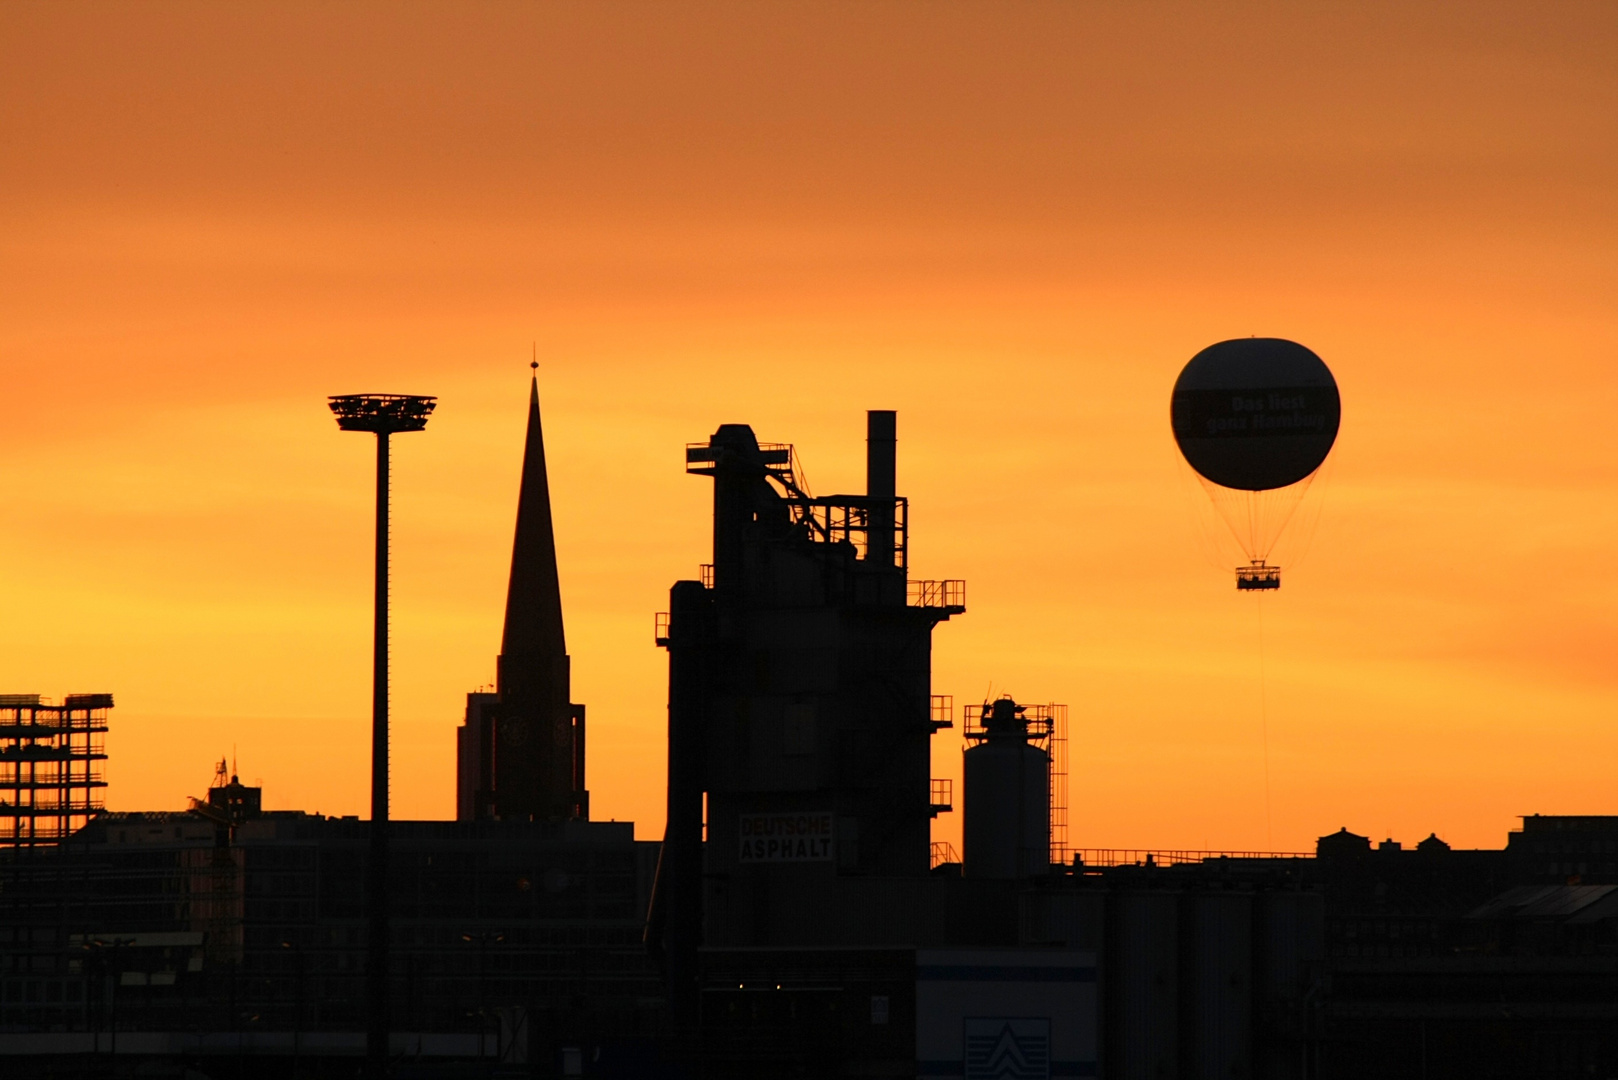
1258	575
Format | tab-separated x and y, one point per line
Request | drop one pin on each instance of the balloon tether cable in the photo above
1264	727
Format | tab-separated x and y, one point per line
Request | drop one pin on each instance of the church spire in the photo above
521	755
533	628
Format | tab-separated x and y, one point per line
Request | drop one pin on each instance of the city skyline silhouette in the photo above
1421	216
1083	532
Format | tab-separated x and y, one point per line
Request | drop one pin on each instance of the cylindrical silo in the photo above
1007	799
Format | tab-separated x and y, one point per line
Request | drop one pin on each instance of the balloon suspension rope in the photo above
1264	727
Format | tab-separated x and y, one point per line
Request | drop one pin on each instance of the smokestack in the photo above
881	481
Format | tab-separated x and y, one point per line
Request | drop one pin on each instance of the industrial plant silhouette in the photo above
797	918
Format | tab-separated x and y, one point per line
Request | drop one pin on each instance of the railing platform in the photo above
1107	857
948	596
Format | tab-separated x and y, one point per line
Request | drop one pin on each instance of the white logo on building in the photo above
1008	1048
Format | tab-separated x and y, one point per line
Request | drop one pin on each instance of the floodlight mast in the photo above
382	415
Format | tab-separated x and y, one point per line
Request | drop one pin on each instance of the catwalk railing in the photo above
1100	857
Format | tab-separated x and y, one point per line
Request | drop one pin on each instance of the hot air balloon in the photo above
1256	417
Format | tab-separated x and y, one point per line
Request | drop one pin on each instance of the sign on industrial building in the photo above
775	838
1005	1014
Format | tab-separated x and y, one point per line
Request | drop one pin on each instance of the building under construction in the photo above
51	779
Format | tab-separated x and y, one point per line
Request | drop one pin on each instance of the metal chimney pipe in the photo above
692	628
881	483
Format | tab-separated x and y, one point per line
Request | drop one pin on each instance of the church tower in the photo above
521	749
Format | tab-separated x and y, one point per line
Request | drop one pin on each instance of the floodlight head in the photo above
383	414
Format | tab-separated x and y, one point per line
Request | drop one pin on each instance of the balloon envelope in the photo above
1255	413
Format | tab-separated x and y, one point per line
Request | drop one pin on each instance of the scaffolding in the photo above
51	778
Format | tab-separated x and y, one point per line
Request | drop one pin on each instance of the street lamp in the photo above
114	944
483	939
382	415
297	1017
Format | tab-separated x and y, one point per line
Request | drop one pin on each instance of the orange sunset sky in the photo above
1012	222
